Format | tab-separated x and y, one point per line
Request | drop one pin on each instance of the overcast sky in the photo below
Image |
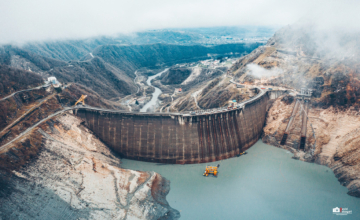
37	20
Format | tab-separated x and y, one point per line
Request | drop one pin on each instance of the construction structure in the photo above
81	99
181	138
52	80
211	170
302	105
232	104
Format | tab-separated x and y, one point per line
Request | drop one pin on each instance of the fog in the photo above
39	20
260	72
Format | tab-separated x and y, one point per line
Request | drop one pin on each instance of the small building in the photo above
52	80
56	84
304	93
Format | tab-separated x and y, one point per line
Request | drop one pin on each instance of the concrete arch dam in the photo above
180	138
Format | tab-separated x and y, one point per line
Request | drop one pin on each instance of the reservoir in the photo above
266	183
152	103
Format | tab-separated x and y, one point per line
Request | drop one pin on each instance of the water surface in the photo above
264	184
153	102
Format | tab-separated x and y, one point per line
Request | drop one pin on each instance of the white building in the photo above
52	80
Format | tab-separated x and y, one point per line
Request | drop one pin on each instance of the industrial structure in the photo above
81	99
181	138
302	105
211	170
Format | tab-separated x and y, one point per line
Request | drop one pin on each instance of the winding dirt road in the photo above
25	90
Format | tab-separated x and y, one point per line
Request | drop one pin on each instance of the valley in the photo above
40	122
177	85
160	110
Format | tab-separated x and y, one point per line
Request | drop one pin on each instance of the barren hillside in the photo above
294	60
62	171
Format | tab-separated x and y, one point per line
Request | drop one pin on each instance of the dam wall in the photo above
180	138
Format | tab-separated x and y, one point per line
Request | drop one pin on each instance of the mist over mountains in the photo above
67	50
176	86
107	65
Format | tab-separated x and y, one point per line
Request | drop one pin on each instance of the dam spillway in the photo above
178	137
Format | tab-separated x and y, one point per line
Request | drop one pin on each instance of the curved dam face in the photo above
180	138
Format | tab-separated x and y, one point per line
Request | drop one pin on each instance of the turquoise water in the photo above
264	184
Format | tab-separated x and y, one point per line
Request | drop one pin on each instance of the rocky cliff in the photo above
296	58
333	139
62	171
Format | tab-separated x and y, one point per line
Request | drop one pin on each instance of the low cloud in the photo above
39	20
260	72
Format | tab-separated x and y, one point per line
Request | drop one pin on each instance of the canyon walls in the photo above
180	138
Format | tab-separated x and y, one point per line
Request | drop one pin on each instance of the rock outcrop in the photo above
73	175
293	58
333	139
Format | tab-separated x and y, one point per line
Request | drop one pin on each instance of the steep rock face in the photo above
75	176
300	56
333	139
289	63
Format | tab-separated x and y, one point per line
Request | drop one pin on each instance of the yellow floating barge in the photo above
211	170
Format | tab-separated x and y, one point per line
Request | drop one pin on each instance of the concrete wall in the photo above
179	138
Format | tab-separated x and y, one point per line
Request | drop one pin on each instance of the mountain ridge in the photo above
111	69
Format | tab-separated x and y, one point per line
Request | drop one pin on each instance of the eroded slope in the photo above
294	59
73	175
